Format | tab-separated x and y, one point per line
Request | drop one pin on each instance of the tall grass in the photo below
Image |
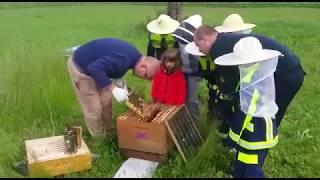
36	97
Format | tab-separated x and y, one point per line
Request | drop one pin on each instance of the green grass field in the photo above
36	97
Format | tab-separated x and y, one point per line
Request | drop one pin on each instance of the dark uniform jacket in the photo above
227	77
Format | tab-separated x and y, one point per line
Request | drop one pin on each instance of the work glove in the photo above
120	94
121	83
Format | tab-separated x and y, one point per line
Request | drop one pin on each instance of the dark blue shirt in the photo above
106	58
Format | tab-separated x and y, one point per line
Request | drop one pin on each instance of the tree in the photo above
174	10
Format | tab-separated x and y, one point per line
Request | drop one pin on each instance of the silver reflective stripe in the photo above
269	130
186	30
183	39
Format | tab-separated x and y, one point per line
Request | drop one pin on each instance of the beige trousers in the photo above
95	104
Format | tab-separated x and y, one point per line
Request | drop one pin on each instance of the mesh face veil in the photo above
257	88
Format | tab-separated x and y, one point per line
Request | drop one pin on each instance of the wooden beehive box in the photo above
145	138
46	157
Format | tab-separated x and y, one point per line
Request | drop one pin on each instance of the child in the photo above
169	85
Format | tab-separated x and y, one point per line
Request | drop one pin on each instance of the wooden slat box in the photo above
145	140
46	157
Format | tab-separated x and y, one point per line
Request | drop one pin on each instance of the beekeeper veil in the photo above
257	89
257	67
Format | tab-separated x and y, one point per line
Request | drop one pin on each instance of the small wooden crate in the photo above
146	140
46	157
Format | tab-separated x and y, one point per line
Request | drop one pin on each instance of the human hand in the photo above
120	94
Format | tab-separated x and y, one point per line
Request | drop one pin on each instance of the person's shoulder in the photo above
116	40
107	40
224	36
266	39
260	36
111	40
124	46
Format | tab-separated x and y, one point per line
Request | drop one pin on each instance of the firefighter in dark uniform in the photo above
253	130
228	101
289	75
288	79
218	104
160	35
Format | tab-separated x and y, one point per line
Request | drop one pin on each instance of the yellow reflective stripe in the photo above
157	37
248	158
246	121
203	58
212	65
247	77
270	142
203	62
250	73
250	127
156	40
252	145
258	145
170	44
253	103
252	109
235	137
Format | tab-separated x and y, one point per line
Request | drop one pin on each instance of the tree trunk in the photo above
174	10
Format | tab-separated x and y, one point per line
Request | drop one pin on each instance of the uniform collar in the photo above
215	44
